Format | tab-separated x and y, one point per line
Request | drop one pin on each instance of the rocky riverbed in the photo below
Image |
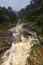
18	40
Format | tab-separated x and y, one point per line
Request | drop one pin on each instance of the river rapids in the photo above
20	50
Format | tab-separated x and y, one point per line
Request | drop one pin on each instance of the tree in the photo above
7	17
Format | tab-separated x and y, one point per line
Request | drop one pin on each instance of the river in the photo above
20	50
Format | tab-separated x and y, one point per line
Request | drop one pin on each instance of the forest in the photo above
7	17
34	13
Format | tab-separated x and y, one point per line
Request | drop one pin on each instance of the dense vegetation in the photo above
34	14
36	56
7	17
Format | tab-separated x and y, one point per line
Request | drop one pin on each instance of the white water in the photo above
18	53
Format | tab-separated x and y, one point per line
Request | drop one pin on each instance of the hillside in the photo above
33	13
7	18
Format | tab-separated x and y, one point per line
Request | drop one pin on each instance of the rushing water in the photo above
18	53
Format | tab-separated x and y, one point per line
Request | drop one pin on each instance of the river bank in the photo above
16	35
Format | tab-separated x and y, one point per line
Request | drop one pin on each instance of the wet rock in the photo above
3	49
5	40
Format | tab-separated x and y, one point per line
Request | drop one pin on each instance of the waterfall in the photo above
20	51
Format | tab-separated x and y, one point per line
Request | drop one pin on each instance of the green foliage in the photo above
7	17
36	56
34	13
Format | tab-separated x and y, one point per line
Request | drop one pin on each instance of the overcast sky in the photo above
15	4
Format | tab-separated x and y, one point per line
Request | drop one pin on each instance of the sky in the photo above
15	4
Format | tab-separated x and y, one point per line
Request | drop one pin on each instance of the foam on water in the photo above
18	53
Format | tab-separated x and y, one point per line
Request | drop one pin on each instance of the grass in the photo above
36	56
